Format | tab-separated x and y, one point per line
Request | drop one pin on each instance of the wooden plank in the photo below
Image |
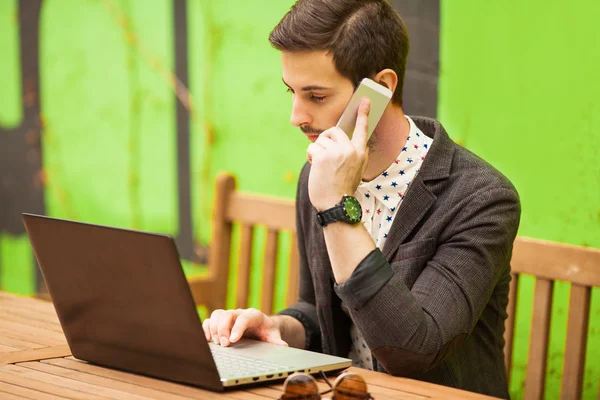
6	349
509	332
293	272
10	396
382	386
268	392
13	378
68	369
22	302
18	343
243	274
26	392
261	210
556	261
378	392
74	379
247	395
35	354
30	321
57	337
535	379
93	390
165	386
34	307
45	342
416	387
577	331
46	316
268	273
26	303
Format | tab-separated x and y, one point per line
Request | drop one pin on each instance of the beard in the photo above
311	130
371	143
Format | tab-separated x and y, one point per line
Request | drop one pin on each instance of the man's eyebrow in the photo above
308	88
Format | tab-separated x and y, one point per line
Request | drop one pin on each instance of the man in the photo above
418	287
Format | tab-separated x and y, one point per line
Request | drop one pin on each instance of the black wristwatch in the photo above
348	210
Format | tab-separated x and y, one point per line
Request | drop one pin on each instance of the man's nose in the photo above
299	116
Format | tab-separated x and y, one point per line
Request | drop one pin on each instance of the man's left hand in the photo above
338	163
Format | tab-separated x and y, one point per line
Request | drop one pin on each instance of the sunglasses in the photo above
347	386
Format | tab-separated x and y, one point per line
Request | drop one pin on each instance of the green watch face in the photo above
353	209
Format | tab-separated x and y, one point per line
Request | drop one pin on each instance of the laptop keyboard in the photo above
228	364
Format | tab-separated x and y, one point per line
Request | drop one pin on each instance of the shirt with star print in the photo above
380	200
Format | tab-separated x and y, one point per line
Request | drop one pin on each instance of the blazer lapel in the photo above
419	197
413	208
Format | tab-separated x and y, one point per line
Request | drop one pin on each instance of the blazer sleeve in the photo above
305	309
412	330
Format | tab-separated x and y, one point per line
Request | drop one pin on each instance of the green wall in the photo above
518	85
10	109
109	138
15	252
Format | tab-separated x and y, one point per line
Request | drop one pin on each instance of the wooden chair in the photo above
550	262
249	211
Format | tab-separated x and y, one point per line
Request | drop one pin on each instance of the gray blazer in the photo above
432	304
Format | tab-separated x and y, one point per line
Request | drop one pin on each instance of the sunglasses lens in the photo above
300	386
349	386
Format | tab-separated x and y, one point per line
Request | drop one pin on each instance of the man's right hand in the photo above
228	326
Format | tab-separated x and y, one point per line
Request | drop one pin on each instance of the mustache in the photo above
310	129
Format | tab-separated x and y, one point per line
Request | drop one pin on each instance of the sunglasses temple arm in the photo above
326	380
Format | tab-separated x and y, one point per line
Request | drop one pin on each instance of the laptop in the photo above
123	302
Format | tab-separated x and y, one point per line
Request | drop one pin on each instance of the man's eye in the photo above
318	99
290	90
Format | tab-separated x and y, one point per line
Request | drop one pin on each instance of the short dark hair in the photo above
364	36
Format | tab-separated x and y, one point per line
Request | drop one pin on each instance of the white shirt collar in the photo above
389	187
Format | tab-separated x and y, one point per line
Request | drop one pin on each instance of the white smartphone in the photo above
380	97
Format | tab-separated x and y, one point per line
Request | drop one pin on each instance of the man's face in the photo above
319	92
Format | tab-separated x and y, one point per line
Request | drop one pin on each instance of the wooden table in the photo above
35	363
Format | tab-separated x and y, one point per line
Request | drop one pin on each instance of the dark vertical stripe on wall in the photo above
21	175
422	18
184	239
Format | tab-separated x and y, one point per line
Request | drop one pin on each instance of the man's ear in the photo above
388	78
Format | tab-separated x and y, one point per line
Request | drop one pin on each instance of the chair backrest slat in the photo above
549	262
269	267
509	332
248	211
272	213
577	330
556	261
245	260
538	342
209	290
221	229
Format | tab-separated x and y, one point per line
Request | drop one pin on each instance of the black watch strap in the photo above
333	214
